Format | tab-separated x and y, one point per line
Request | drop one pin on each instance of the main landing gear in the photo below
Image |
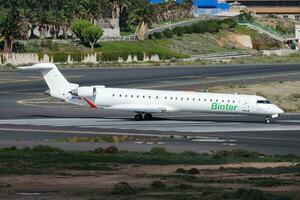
267	120
139	116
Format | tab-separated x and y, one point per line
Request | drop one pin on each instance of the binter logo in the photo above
218	106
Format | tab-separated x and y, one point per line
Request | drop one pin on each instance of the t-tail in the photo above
58	85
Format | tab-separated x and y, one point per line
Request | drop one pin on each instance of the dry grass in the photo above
284	94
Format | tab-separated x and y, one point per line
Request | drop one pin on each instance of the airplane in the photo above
146	102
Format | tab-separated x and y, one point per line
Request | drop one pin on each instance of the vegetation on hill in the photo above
18	18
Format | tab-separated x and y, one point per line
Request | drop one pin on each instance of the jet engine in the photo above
84	92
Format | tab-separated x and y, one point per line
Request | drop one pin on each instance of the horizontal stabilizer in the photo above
41	66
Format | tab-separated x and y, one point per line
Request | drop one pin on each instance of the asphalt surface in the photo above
28	117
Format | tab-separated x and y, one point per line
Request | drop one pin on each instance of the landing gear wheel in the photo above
138	117
267	120
148	116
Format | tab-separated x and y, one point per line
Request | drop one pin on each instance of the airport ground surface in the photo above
28	118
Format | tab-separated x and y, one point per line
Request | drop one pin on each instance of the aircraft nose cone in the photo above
279	110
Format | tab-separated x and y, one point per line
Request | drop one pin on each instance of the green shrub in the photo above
250	194
46	149
98	150
158	185
184	186
179	30
59	57
238	153
111	150
123	188
13	148
180	170
157	35
19	48
158	150
193	171
168	33
266	182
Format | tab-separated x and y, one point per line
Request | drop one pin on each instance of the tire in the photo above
138	117
148	116
267	120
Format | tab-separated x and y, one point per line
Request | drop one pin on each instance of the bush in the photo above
179	30
239	153
157	35
184	186
168	33
13	148
111	150
250	194
158	185
46	149
180	170
19	48
123	188
158	150
193	171
98	150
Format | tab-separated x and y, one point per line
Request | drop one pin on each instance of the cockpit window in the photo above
264	102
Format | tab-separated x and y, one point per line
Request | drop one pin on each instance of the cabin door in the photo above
246	105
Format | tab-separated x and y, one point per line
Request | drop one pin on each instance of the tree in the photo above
9	23
92	34
117	6
78	26
142	17
92	9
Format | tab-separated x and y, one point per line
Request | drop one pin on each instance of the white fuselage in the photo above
155	101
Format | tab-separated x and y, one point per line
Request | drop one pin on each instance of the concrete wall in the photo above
18	59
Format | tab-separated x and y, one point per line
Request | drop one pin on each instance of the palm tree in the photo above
117	6
92	9
142	17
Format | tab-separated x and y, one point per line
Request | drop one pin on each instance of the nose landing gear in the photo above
139	116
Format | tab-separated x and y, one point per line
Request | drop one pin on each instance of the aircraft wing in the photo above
138	108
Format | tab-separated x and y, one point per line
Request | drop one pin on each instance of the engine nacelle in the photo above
84	92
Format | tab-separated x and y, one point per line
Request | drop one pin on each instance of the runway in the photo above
28	117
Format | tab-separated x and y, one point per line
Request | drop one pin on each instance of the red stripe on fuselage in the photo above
89	103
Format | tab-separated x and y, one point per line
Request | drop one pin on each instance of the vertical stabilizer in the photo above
56	82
